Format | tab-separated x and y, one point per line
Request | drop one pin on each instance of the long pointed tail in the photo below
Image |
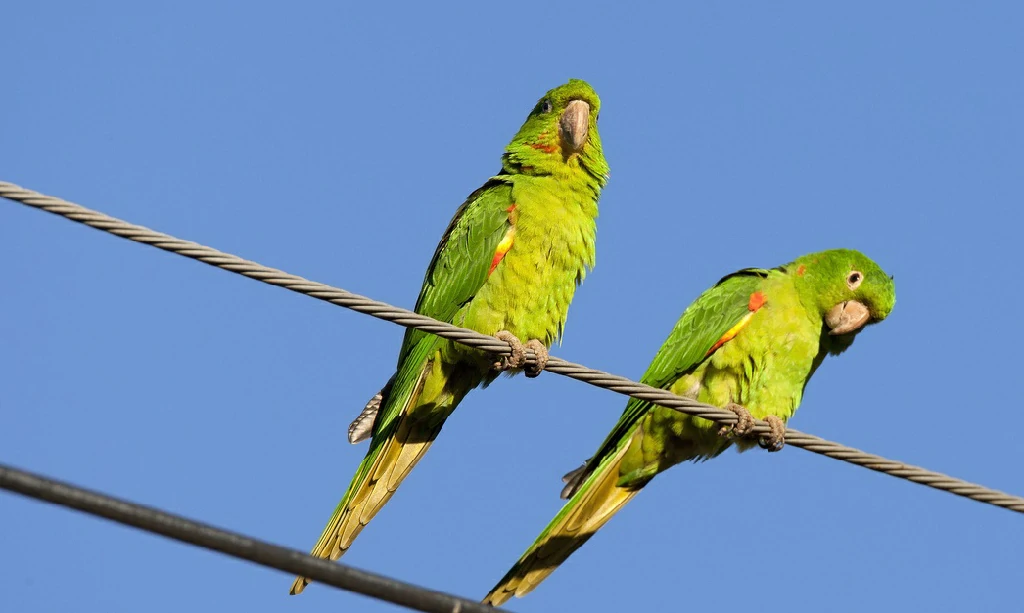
416	407
589	508
377	479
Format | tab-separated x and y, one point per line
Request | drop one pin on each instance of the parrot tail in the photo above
597	499
379	475
427	396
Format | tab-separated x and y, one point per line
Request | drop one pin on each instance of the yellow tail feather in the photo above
592	507
392	465
435	396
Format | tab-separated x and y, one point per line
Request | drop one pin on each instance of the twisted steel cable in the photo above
471	338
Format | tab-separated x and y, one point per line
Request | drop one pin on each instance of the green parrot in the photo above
508	265
750	342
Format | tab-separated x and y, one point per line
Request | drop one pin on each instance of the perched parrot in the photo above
508	265
750	342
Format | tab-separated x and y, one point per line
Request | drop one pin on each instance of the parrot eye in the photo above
546	106
854	279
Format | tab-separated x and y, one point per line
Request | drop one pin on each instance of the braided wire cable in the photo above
403	317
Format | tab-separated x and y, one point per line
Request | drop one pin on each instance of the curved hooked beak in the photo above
573	126
847	317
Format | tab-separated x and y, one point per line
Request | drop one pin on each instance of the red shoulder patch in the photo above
801	270
757	301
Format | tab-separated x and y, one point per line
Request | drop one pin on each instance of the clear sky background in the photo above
335	142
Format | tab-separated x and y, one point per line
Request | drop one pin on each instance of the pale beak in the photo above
574	124
846	317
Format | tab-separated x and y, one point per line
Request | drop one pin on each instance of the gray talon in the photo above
776	440
744	422
518	357
541	354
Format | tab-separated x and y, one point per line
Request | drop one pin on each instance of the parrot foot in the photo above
744	422
776	440
518	357
540	352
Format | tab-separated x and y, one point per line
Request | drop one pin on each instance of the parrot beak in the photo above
847	317
573	126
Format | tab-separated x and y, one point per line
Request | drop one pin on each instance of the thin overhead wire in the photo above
234	544
470	338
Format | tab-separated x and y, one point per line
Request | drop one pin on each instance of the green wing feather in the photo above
456	273
703	323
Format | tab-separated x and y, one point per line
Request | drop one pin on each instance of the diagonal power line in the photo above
387	312
236	545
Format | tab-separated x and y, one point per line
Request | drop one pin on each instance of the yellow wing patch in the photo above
503	247
730	333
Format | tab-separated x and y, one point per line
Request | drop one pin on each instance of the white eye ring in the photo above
854	279
546	106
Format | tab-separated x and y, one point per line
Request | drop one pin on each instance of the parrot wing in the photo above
460	266
711	321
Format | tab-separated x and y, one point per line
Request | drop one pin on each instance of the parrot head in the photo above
846	289
560	135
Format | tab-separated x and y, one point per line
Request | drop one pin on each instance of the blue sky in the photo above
335	142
